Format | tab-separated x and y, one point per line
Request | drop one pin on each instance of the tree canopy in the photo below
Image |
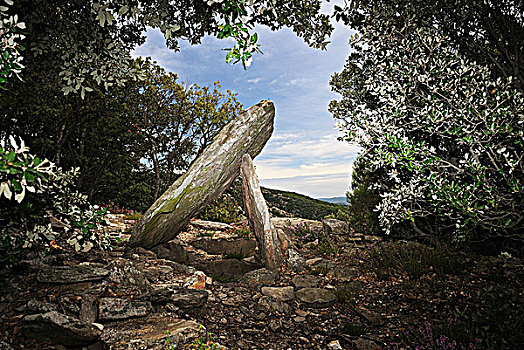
437	108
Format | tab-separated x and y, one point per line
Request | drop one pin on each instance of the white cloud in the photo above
254	81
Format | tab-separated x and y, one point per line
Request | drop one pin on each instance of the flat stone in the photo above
57	328
240	246
71	274
260	276
182	297
299	319
228	269
120	309
305	281
335	227
365	344
316	297
211	225
150	333
40	307
279	293
271	304
369	315
173	251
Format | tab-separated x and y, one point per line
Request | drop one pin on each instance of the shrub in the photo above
225	209
40	208
413	258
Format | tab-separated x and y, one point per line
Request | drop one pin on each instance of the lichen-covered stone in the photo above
209	175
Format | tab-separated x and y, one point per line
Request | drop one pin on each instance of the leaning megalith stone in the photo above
258	215
209	175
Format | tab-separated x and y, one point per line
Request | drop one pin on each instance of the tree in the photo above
443	132
176	122
88	42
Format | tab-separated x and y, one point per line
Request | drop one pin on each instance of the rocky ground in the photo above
207	286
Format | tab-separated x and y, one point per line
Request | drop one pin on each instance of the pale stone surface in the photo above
279	293
209	175
211	225
335	227
258	215
260	276
71	274
120	309
316	297
241	246
305	281
57	328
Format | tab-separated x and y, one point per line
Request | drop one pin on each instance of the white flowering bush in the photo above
10	48
448	136
39	207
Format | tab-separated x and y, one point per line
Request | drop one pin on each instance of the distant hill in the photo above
336	200
282	202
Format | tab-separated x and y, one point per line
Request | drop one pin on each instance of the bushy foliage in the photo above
10	48
88	44
444	136
39	207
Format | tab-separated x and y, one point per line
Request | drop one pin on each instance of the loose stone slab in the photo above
258	215
316	297
71	274
305	281
120	309
57	328
209	175
279	293
335	227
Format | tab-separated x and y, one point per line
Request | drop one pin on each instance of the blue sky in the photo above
303	155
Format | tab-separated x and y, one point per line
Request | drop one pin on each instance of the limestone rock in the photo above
365	344
305	281
37	306
207	177
211	225
71	274
279	293
120	309
173	251
258	215
316	297
271	304
245	247
226	270
261	276
295	262
182	297
150	333
335	227
57	328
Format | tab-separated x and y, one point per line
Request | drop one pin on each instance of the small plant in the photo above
169	344
243	230
225	209
205	341
134	215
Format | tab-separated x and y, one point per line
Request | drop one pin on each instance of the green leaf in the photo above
10	156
